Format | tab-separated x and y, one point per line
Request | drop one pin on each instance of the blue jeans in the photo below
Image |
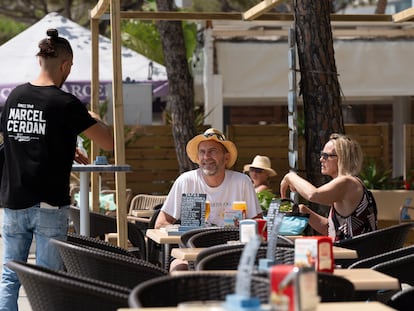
19	226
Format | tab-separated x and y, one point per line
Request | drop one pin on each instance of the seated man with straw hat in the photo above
215	155
260	170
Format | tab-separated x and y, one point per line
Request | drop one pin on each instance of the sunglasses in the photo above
219	136
256	170
325	155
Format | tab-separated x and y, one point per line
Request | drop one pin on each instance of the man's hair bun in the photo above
53	33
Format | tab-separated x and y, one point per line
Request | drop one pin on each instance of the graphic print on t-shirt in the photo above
25	123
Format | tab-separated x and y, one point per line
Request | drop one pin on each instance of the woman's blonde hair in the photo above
350	156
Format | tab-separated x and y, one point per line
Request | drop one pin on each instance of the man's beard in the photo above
210	172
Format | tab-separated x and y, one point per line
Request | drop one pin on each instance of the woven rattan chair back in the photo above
105	266
400	268
375	242
402	300
227	257
374	260
60	291
83	240
101	224
192	287
207	238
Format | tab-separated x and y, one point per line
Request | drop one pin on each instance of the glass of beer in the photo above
207	214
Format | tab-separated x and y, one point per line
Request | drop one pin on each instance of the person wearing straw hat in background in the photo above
260	170
215	155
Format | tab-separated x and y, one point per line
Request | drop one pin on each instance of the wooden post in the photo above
94	105
118	109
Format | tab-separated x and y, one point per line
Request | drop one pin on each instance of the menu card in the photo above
193	210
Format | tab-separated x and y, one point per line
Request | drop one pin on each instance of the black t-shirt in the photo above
40	125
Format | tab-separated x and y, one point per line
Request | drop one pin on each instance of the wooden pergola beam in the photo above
259	9
179	16
404	16
99	9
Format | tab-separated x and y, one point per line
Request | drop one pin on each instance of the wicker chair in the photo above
400	268
207	238
143	202
102	224
60	291
191	287
375	242
374	260
83	240
227	257
106	266
188	234
333	288
403	300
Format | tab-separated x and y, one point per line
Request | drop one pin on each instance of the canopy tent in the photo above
19	63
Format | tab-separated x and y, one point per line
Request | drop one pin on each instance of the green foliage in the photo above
9	29
199	116
265	197
375	177
143	37
190	38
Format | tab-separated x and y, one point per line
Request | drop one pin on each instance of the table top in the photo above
369	279
191	253
324	306
161	236
363	279
101	168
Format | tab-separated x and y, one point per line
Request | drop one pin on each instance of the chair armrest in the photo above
138	219
142	213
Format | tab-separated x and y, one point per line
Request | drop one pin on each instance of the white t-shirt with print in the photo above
235	187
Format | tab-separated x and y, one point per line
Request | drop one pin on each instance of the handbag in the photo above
293	223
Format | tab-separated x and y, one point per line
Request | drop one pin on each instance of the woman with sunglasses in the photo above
352	206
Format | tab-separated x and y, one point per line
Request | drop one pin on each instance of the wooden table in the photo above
363	279
161	237
368	279
325	306
190	254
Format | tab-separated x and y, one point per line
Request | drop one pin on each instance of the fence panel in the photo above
151	152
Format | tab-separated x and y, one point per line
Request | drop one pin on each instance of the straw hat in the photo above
216	135
262	162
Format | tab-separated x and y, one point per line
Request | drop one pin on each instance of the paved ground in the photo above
24	304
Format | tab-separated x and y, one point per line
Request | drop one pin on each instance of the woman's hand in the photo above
285	185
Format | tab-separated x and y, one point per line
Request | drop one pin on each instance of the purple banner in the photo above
82	90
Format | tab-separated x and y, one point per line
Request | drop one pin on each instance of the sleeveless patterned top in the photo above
362	220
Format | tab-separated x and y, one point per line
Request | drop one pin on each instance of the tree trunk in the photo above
319	81
180	81
381	6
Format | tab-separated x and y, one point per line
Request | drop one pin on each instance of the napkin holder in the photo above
293	288
315	252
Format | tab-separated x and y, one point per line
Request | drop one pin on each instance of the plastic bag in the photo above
294	223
